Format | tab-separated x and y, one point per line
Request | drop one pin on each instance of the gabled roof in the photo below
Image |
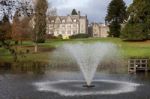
57	20
68	19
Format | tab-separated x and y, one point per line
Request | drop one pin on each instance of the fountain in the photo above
89	56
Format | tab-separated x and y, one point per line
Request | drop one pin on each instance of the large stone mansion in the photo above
67	25
98	30
72	25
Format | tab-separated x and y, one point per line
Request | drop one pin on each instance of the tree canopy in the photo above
40	21
23	8
21	29
116	14
74	12
5	29
139	18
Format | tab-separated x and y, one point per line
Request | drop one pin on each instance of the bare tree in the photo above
21	29
8	8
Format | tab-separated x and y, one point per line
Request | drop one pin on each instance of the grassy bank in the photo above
128	49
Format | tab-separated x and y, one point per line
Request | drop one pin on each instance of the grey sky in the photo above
95	9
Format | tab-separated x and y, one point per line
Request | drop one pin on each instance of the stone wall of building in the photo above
67	25
99	30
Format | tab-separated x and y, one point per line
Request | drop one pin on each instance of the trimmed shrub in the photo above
79	36
51	36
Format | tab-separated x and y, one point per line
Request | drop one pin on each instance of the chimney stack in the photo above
79	13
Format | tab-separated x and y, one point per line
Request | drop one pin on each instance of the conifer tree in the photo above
116	14
40	21
74	12
5	29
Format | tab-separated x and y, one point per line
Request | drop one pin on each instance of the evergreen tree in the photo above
40	21
116	14
5	36
139	19
5	29
74	12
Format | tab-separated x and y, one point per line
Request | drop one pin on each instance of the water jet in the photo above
89	56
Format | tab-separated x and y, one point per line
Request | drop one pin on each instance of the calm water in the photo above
18	82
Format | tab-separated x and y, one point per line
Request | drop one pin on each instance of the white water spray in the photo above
89	56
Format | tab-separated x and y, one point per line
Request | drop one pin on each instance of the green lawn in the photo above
128	49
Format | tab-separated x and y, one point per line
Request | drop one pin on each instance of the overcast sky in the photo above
95	9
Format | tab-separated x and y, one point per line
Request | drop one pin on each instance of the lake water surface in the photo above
44	82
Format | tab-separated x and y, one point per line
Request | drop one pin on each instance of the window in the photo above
51	32
60	32
74	20
63	25
68	32
74	31
74	25
57	31
52	21
82	25
95	34
82	31
51	26
56	25
63	32
69	26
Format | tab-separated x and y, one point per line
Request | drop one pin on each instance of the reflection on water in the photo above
16	82
35	69
38	69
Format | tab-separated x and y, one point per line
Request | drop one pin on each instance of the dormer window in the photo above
63	21
74	20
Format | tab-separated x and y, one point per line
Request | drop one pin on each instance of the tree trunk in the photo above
15	57
21	42
35	47
20	45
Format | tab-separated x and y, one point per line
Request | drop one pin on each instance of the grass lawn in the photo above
128	49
